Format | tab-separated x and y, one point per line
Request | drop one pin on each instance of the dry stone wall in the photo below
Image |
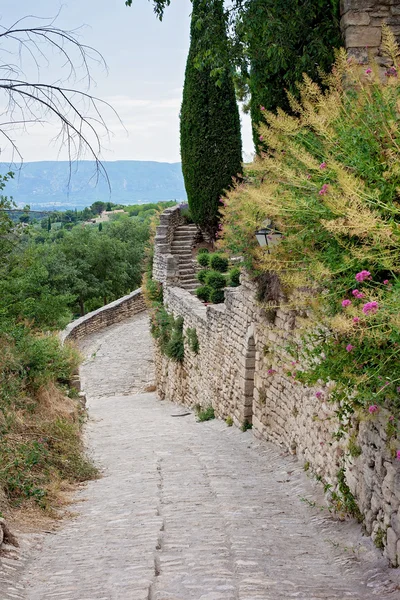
243	370
165	265
361	25
103	317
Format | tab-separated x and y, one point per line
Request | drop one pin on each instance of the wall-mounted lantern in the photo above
268	236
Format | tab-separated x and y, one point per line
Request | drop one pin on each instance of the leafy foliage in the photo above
219	262
330	182
192	339
203	293
215	280
40	442
205	414
281	41
211	146
234	277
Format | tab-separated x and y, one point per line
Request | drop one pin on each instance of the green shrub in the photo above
203	259
206	414
186	214
217	296
246	425
203	251
234	277
219	262
153	291
203	293
334	195
202	275
168	332
193	340
215	280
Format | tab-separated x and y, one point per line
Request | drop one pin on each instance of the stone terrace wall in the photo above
165	266
244	372
361	24
114	312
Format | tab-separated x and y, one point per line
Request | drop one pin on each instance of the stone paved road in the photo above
191	511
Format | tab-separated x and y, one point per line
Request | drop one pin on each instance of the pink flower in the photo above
362	275
356	319
349	347
368	71
262	107
261	138
398	454
370	307
391	418
322	165
358	294
346	303
271	371
391	72
386	282
373	409
308	176
323	190
318	395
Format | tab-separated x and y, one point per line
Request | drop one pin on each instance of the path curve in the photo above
191	511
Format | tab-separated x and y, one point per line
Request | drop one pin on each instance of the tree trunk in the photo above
82	307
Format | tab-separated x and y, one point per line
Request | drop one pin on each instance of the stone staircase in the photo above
181	248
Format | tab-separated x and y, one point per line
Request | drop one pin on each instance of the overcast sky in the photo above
146	62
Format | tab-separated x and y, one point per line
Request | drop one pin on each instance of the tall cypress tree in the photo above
211	146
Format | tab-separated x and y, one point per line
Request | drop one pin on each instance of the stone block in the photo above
353	17
391	546
362	37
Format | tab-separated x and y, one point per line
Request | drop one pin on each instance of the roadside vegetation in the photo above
52	271
330	182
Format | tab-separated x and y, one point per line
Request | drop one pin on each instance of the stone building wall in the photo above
361	25
112	313
243	370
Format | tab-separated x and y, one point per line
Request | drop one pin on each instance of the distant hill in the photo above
46	185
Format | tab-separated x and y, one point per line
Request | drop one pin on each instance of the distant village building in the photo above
105	215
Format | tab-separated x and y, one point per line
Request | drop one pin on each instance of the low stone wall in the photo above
244	372
114	312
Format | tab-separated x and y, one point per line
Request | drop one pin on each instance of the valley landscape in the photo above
57	185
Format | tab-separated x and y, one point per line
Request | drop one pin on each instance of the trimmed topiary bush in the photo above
203	293
203	259
217	296
202	275
234	277
215	280
219	262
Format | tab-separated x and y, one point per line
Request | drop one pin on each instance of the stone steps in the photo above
181	247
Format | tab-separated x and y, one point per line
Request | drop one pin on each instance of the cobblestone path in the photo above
189	510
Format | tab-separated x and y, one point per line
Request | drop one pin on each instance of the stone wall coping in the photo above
72	327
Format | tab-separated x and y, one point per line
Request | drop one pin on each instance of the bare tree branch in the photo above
79	114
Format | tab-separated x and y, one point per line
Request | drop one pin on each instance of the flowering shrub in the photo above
330	182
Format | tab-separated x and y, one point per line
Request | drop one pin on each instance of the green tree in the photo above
98	207
211	146
271	44
281	41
